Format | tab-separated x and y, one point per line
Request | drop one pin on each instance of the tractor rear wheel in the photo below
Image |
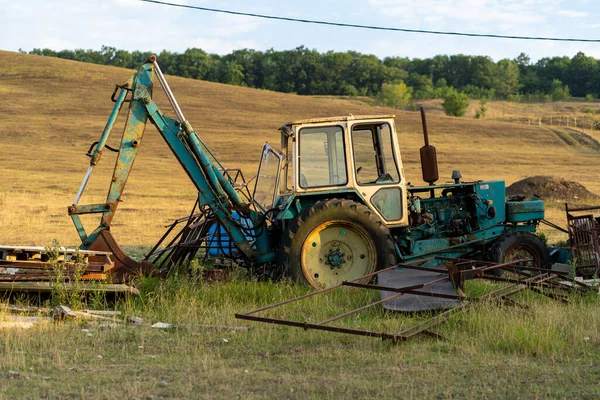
518	246
335	241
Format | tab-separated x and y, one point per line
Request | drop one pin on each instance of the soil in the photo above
550	188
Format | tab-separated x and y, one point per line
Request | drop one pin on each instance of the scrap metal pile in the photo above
413	287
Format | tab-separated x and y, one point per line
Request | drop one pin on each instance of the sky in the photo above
135	25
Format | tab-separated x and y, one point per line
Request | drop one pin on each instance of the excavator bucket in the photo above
125	267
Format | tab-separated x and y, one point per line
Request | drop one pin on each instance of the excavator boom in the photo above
215	189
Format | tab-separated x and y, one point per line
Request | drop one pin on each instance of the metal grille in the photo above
584	238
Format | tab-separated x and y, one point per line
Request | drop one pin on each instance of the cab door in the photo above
378	171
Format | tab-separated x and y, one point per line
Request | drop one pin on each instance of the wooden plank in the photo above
86	287
44	250
91	266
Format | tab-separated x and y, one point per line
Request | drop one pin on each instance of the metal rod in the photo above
553	296
317	327
462	260
169	93
496	266
359	309
291	300
426	269
582	208
111	122
86	178
404	289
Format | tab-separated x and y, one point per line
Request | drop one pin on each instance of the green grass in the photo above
490	352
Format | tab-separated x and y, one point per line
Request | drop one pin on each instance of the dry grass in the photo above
53	109
491	352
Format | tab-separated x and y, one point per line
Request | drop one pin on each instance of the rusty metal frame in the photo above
584	238
458	270
190	241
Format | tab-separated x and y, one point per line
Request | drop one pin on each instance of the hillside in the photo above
53	109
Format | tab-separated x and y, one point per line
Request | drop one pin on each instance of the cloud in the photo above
138	3
508	12
226	25
573	14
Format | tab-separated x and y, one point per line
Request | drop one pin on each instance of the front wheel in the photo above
335	241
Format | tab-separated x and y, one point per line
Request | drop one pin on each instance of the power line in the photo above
372	27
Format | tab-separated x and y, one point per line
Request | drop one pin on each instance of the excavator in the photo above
332	204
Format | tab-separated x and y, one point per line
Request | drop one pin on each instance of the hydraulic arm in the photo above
215	189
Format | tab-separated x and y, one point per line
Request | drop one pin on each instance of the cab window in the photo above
322	160
374	161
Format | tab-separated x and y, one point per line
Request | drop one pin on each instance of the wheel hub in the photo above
335	258
336	254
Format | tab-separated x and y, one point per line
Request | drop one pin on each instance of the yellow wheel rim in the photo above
337	251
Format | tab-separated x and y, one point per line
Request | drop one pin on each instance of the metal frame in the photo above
193	238
538	280
584	238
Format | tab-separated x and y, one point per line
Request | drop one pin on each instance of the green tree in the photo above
506	81
559	91
549	69
455	103
480	113
482	72
231	73
458	70
579	74
395	94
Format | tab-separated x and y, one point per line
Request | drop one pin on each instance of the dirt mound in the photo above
550	188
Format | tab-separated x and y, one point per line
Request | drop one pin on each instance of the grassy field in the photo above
552	351
53	109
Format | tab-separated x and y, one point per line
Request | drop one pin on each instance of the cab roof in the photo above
344	118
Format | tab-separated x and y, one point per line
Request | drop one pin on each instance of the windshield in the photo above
267	178
322	157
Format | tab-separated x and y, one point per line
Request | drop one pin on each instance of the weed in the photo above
542	236
482	110
96	299
66	274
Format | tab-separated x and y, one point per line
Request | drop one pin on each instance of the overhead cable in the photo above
371	27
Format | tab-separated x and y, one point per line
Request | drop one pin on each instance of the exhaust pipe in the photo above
429	165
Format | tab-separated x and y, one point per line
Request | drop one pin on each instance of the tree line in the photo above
396	80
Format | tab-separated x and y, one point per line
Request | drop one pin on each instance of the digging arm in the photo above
215	190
